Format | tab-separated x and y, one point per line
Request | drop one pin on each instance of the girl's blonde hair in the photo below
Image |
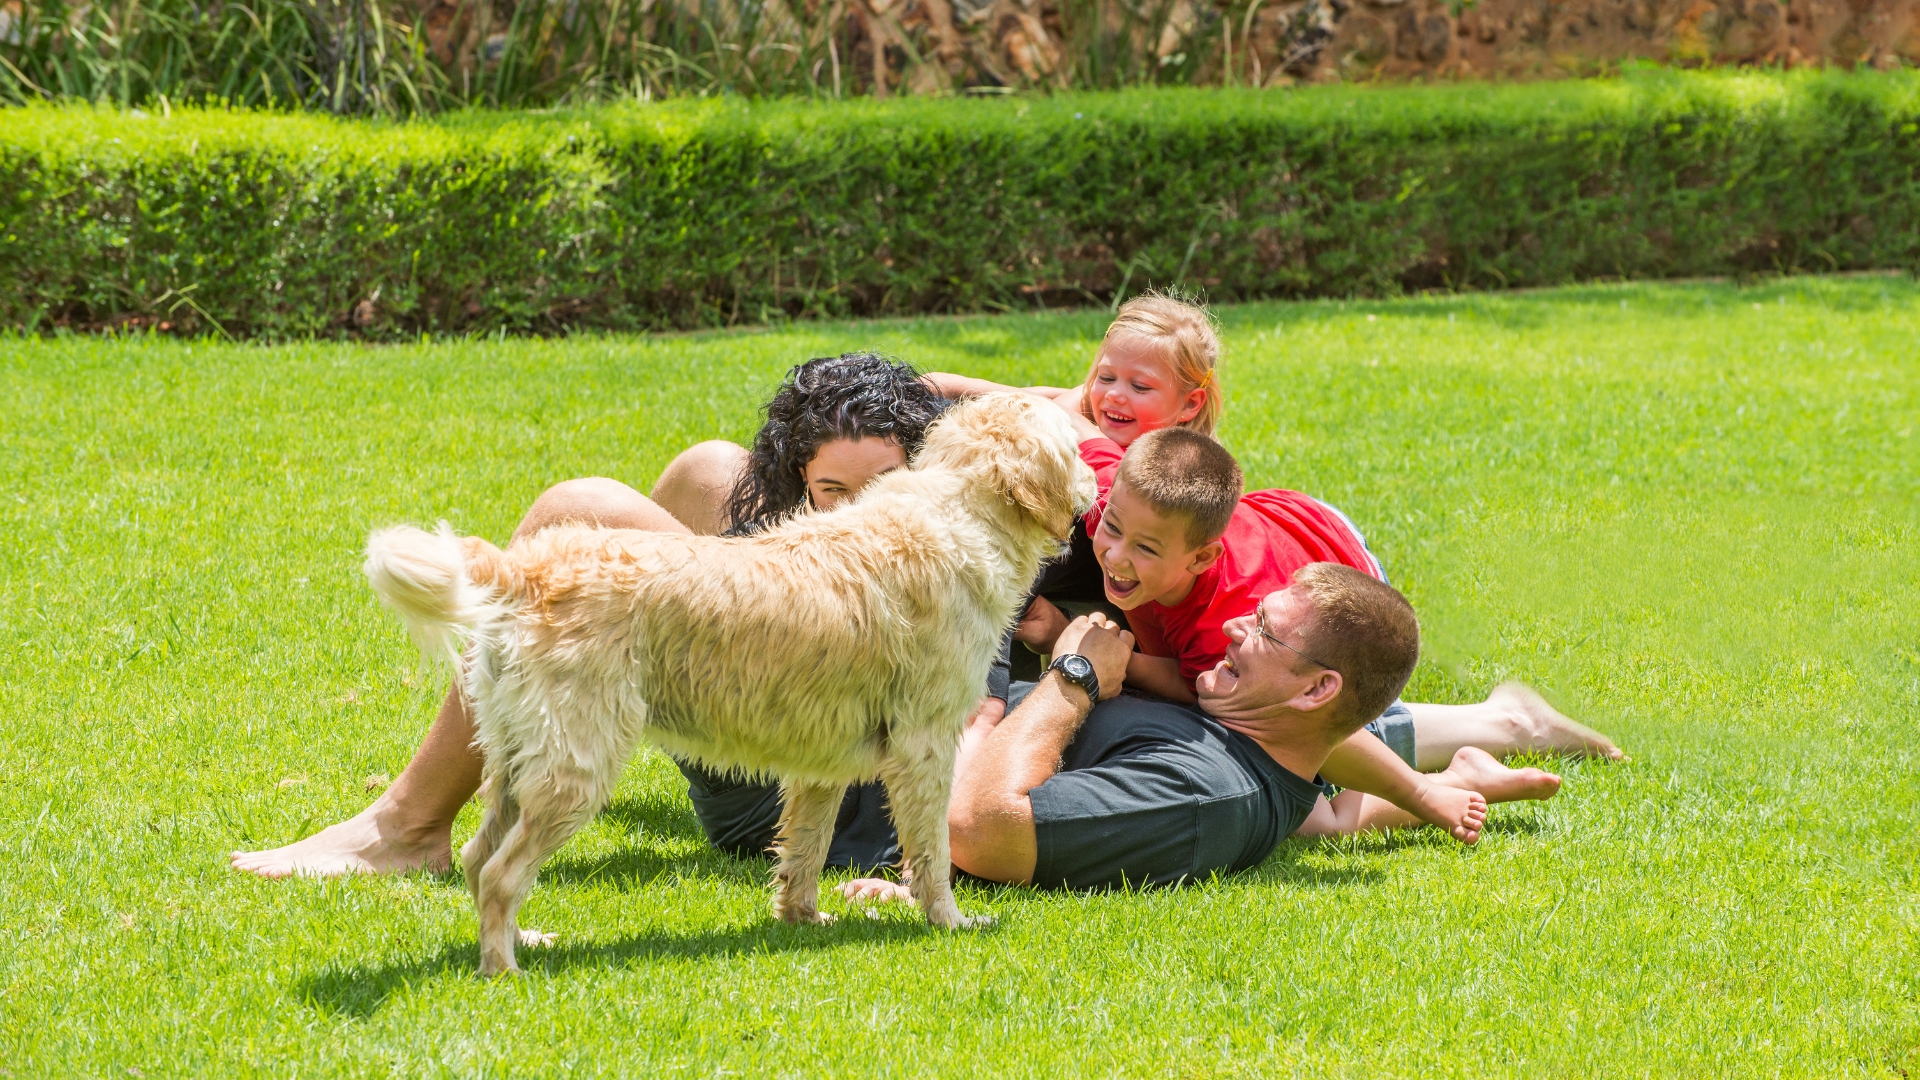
1185	335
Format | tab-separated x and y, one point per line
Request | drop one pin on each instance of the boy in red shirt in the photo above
1182	553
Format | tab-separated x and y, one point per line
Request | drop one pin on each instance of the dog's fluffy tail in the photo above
441	585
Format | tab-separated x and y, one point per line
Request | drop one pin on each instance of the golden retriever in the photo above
833	648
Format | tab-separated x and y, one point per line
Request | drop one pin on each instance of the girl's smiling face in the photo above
1134	391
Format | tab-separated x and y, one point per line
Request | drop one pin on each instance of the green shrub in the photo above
720	211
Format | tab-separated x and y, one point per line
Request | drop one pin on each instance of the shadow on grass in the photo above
360	991
1335	862
635	864
1304	863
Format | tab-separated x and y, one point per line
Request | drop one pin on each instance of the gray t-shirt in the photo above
1152	793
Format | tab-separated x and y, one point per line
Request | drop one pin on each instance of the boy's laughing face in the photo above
1144	554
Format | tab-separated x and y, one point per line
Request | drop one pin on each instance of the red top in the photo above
1272	535
1103	455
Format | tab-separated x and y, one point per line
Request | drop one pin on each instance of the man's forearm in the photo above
1024	750
991	817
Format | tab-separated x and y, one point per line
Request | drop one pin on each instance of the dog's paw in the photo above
956	921
806	918
535	939
493	969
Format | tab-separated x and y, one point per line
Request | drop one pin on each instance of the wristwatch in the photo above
1078	670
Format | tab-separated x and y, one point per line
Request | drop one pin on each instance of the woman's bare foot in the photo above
1451	810
370	842
1549	731
1474	769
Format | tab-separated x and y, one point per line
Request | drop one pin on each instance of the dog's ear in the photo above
1042	485
1022	449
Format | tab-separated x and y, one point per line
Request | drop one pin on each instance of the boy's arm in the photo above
1159	676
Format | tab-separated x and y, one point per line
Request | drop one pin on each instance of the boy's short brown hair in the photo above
1186	475
1365	630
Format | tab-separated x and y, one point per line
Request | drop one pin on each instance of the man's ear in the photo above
1319	693
1206	555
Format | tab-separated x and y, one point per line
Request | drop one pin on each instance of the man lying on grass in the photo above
1080	787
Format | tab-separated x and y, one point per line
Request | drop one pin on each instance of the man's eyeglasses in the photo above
1260	624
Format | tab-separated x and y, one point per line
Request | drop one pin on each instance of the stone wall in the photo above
1401	39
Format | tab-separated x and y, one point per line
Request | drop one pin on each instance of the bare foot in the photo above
1473	769
875	891
534	939
1456	812
1551	731
362	844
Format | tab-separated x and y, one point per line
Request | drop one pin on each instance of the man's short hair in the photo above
1365	630
1186	475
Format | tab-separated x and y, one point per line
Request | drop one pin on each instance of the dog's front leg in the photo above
806	831
919	779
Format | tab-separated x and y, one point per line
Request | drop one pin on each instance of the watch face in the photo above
1078	667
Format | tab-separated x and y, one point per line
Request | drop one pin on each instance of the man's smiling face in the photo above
1262	672
1144	554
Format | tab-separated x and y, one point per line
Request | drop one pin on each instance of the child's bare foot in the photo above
1473	769
362	844
1450	809
876	890
1549	730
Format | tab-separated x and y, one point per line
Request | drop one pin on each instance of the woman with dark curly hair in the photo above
835	423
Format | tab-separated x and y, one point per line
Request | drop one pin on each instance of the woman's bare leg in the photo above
410	826
1513	720
694	486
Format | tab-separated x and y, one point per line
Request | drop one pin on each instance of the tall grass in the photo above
398	57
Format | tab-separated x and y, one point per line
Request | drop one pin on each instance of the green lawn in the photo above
1688	513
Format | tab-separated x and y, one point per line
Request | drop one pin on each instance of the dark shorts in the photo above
1152	793
740	816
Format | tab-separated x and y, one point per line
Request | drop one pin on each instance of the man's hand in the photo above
1104	644
1040	627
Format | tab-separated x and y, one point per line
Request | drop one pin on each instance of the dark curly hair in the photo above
854	395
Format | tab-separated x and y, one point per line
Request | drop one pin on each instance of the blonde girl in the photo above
1156	367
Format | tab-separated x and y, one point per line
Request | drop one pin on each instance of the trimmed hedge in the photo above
719	211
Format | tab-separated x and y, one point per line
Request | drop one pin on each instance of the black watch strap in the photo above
1078	670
